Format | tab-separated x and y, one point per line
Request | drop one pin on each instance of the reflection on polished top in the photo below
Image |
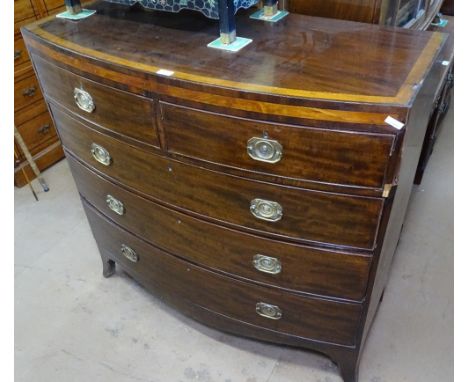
300	56
208	7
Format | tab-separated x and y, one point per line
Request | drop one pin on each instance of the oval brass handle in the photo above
129	253
101	155
264	150
44	129
272	312
267	264
115	205
18	54
84	100
29	92
266	210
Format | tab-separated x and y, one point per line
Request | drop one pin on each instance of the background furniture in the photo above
265	200
31	116
448	8
443	97
414	14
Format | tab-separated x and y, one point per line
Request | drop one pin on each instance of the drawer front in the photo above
312	154
37	130
27	91
24	9
307	216
20	52
52	5
262	260
318	319
122	112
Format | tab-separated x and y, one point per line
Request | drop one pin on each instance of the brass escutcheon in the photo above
84	100
115	205
266	210
267	264
100	154
272	312
264	150
129	253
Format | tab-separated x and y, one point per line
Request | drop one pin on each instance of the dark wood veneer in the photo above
323	88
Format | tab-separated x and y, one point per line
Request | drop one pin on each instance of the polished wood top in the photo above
300	56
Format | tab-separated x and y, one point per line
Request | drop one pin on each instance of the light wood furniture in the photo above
31	115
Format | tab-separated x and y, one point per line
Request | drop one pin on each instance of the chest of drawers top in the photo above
309	97
303	58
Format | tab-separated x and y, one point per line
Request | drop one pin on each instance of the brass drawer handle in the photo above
272	312
29	92
115	205
44	129
84	100
266	210
264	150
267	264
101	155
129	253
18	54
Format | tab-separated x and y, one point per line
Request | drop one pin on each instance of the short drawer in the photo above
37	130
122	112
285	212
27	91
319	319
275	263
319	155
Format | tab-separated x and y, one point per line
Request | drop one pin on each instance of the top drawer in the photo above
122	112
331	156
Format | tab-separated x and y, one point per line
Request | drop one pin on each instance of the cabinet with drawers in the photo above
261	192
31	115
412	14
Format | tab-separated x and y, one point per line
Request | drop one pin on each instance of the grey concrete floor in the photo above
71	324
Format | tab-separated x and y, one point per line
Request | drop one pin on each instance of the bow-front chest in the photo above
260	192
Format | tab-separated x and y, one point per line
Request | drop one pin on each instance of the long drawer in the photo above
274	263
122	112
292	213
308	317
320	155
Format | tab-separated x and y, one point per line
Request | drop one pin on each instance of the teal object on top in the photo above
208	7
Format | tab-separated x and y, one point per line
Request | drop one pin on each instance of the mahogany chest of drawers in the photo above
260	192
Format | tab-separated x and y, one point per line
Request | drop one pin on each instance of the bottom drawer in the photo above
317	319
